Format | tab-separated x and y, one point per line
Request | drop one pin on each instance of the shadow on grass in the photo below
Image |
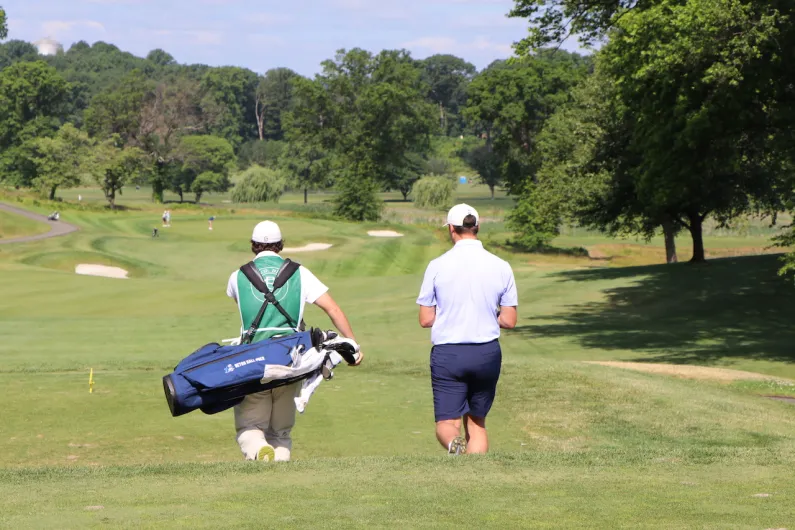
724	310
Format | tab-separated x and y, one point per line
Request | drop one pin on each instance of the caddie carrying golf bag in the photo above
215	378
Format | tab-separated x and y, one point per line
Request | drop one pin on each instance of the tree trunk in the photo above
52	192
669	232
306	195
697	233
157	191
111	196
492	192
260	119
198	196
180	196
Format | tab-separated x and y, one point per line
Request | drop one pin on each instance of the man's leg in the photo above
252	418
482	391
477	438
282	420
447	431
449	395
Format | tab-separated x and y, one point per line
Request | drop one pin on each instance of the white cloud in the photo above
62	28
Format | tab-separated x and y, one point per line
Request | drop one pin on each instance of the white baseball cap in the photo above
457	213
266	232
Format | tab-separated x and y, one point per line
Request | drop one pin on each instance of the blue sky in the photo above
264	34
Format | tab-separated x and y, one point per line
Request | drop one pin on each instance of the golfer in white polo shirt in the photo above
467	295
264	421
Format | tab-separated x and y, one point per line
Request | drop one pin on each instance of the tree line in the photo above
684	113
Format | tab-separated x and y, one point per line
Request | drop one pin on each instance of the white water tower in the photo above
48	46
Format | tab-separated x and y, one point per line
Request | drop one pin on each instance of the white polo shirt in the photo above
311	287
467	285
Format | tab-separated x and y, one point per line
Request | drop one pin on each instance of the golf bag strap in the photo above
250	271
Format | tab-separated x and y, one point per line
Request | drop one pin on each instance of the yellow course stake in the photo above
91	382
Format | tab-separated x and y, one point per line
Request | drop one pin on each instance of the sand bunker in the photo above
384	233
101	270
691	372
311	247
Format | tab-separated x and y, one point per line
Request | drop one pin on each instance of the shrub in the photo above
259	184
434	191
357	198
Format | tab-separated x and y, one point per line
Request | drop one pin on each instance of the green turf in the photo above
575	445
13	226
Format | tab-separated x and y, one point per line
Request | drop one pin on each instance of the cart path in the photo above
57	228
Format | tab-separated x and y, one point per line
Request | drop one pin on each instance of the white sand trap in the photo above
384	233
686	371
311	247
101	270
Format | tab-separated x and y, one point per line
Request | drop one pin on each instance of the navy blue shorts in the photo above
464	379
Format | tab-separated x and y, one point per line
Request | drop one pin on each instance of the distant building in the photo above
48	46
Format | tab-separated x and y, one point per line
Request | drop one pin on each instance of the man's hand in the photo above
338	318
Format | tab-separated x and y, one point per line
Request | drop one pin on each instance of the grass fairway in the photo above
575	445
12	226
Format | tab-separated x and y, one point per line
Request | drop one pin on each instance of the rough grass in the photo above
12	226
576	445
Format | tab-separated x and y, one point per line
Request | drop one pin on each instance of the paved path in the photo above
57	228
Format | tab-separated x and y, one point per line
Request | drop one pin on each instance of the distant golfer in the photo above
264	421
467	295
211	219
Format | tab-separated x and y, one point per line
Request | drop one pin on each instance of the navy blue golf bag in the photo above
215	378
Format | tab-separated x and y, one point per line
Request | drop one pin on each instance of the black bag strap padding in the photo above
250	271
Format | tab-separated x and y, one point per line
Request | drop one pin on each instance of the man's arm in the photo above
507	317
427	298
338	318
427	316
231	287
508	303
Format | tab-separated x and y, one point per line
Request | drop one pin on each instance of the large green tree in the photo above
206	163
274	97
114	165
703	112
234	90
15	51
447	78
305	166
33	101
119	109
61	160
508	104
368	112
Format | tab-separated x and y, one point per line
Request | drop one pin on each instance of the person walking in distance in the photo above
467	295
264	421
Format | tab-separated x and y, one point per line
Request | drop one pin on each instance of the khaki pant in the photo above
267	418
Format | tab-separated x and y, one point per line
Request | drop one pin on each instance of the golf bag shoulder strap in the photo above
287	270
250	271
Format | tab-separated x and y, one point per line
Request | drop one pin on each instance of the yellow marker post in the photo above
91	382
